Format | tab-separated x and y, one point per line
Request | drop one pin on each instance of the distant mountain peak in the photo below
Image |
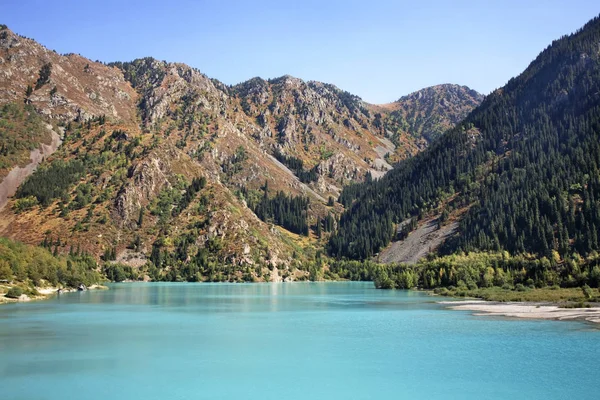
444	89
429	112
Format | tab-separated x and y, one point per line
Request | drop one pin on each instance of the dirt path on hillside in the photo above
9	185
418	244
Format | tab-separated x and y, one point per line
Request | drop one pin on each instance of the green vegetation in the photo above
119	272
353	103
525	163
14	292
142	74
325	153
296	165
235	163
563	296
490	276
484	270
137	71
190	193
522	171
52	181
24	204
289	212
34	266
21	130
171	201
44	76
28	92
203	264
429	112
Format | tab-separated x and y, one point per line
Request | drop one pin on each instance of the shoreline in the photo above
45	293
525	310
510	309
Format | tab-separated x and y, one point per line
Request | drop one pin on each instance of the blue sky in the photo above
379	50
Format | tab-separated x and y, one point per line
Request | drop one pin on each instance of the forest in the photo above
489	275
52	181
289	212
524	164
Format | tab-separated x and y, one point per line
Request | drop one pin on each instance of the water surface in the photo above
284	341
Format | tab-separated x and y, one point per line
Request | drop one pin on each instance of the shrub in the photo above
14	292
384	283
520	287
24	204
587	292
119	272
461	285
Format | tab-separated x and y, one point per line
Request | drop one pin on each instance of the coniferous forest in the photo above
525	164
289	212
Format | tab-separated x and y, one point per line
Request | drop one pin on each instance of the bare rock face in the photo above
76	87
148	179
339	168
257	91
429	112
288	135
164	84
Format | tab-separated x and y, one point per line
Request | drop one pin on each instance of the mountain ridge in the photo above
166	169
521	168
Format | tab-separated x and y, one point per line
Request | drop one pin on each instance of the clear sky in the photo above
379	50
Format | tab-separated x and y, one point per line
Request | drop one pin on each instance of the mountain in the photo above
519	174
429	112
160	163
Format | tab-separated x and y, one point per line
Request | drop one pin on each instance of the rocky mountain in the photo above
519	174
428	113
165	169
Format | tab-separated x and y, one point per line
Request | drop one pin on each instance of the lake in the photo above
284	341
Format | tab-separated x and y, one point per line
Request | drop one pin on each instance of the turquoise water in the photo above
284	341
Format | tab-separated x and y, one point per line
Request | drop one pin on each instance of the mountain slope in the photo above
430	112
165	169
523	165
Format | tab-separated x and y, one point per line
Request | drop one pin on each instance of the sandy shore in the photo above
525	310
